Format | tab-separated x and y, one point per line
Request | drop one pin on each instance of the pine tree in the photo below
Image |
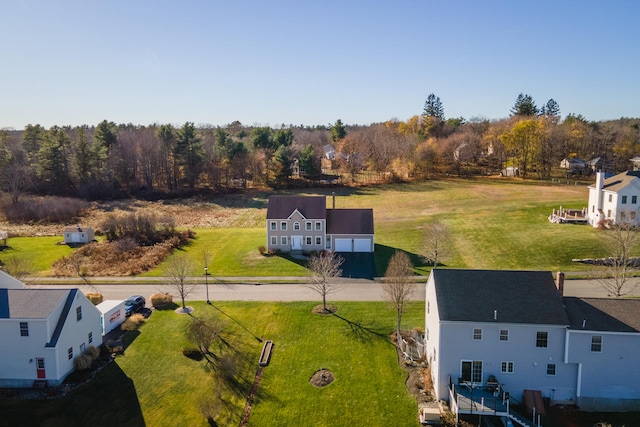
433	108
524	106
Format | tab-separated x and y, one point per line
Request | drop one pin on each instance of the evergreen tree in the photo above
166	135
433	108
524	106
338	131
52	157
308	162
551	109
83	160
190	153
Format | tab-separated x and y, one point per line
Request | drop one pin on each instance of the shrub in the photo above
161	300
262	249
93	352
133	322
192	353
95	297
45	209
82	362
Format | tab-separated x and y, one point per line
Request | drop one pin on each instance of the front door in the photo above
40	373
296	243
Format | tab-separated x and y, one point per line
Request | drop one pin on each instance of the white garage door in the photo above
343	245
362	245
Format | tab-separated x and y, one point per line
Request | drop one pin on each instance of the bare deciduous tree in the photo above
617	277
398	286
178	269
436	245
324	267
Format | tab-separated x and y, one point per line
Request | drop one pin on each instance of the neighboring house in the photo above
515	328
635	162
615	199
78	234
42	331
598	164
303	223
510	171
9	282
573	165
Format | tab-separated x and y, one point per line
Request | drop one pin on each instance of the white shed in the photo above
112	314
78	234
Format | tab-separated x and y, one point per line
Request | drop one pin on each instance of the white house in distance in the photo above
78	235
514	329
42	331
303	223
615	199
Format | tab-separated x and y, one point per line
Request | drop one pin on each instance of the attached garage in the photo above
362	245
343	245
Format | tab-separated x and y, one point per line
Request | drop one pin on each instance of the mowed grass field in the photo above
154	384
492	223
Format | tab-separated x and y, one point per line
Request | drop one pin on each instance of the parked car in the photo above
134	304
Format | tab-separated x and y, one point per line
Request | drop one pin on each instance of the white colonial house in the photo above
513	333
303	223
42	331
615	199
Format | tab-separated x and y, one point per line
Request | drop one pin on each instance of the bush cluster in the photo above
133	322
161	300
44	209
85	361
145	230
95	297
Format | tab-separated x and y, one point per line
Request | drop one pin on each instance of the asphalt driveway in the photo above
358	265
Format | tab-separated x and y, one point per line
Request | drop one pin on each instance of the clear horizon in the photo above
74	62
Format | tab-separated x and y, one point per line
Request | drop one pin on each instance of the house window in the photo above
608	213
542	339
318	240
283	240
428	307
307	225
90	337
83	348
596	343
24	329
308	240
318	225
506	367
610	197
551	369
70	353
296	226
624	200
283	226
328	242
634	200
79	313
504	335
477	334
274	240
623	215
426	335
274	226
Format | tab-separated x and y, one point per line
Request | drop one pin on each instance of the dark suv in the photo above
134	304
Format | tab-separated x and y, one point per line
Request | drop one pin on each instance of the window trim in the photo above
596	347
552	370
477	334
318	225
24	329
296	226
70	353
540	341
503	337
307	240
78	313
507	367
90	337
274	225
274	240
283	240
308	225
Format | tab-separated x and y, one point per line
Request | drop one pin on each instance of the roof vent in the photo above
584	323
495	314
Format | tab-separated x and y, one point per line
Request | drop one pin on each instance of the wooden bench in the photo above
265	356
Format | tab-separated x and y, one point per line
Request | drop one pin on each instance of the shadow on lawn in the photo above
362	333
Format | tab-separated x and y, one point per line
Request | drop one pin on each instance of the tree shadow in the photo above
384	253
364	333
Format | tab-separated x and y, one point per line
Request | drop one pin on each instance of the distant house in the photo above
78	235
513	332
510	171
615	199
573	165
635	162
42	331
303	223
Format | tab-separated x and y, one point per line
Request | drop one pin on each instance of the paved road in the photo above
248	289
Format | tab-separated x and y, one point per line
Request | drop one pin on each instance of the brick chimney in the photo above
560	282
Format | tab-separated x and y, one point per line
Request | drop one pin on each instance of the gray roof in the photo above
603	314
620	181
349	221
516	296
30	303
311	207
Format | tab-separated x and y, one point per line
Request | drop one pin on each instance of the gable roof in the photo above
620	181
30	303
349	221
603	314
311	207
517	296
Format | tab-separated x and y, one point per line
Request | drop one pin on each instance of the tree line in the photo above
115	160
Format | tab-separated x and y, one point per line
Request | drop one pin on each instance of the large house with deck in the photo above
615	199
42	331
514	334
303	223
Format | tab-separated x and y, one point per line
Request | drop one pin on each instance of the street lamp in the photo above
206	282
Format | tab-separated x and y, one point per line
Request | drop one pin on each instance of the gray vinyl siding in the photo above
303	233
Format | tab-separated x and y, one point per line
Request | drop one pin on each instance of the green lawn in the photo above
153	384
38	252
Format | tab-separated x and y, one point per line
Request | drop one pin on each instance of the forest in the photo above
109	160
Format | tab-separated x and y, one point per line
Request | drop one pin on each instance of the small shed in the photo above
75	235
112	314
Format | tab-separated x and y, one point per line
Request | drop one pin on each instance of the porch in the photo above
490	400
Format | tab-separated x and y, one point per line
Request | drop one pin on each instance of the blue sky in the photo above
69	62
